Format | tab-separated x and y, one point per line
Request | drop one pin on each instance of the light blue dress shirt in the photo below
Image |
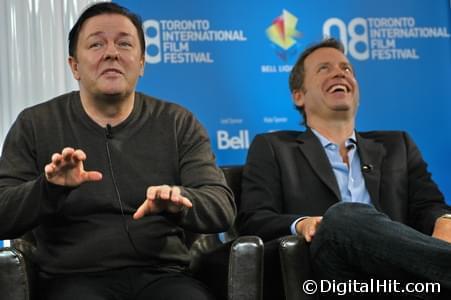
349	178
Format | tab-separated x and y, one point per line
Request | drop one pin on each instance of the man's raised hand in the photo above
66	169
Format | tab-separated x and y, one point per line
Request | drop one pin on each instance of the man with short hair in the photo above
109	179
364	200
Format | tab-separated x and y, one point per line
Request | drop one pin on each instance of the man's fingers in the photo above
66	168
56	158
185	202
162	197
68	156
78	155
49	171
318	221
152	192
313	226
165	192
312	230
67	153
309	231
308	227
143	210
173	194
92	176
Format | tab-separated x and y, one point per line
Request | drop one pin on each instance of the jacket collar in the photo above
371	156
311	147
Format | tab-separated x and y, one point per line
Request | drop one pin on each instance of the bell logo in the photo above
241	141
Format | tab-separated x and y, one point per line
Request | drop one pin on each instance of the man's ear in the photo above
298	97
143	63
73	64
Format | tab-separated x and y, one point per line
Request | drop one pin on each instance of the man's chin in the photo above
113	96
342	107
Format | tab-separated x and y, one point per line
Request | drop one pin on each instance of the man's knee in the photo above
342	224
344	215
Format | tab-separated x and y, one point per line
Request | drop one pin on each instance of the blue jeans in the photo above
356	242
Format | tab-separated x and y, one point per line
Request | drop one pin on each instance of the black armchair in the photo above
240	257
17	271
232	269
296	267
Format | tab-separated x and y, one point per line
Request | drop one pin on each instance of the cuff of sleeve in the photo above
53	195
177	217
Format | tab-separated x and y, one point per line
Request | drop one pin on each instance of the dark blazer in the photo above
288	175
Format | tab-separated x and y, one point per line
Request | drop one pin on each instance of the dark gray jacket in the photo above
288	175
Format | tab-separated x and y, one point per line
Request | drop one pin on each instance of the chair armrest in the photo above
296	267
233	270
246	269
17	275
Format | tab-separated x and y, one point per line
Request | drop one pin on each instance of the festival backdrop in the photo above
228	62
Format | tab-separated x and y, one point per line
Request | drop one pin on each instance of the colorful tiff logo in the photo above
283	34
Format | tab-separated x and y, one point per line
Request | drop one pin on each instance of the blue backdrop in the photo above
228	62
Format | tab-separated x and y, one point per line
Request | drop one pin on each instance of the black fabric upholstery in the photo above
233	270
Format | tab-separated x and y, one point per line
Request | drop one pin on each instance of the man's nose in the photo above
111	52
339	72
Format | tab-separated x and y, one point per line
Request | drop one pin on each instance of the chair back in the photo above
233	176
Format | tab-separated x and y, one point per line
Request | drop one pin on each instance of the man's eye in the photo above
95	45
323	68
125	44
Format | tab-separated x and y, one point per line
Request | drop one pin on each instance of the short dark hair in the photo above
297	74
103	8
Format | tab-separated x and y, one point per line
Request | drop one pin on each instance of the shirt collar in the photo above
325	142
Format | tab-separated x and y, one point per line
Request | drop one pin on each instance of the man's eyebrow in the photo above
95	34
347	64
122	33
343	63
322	63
